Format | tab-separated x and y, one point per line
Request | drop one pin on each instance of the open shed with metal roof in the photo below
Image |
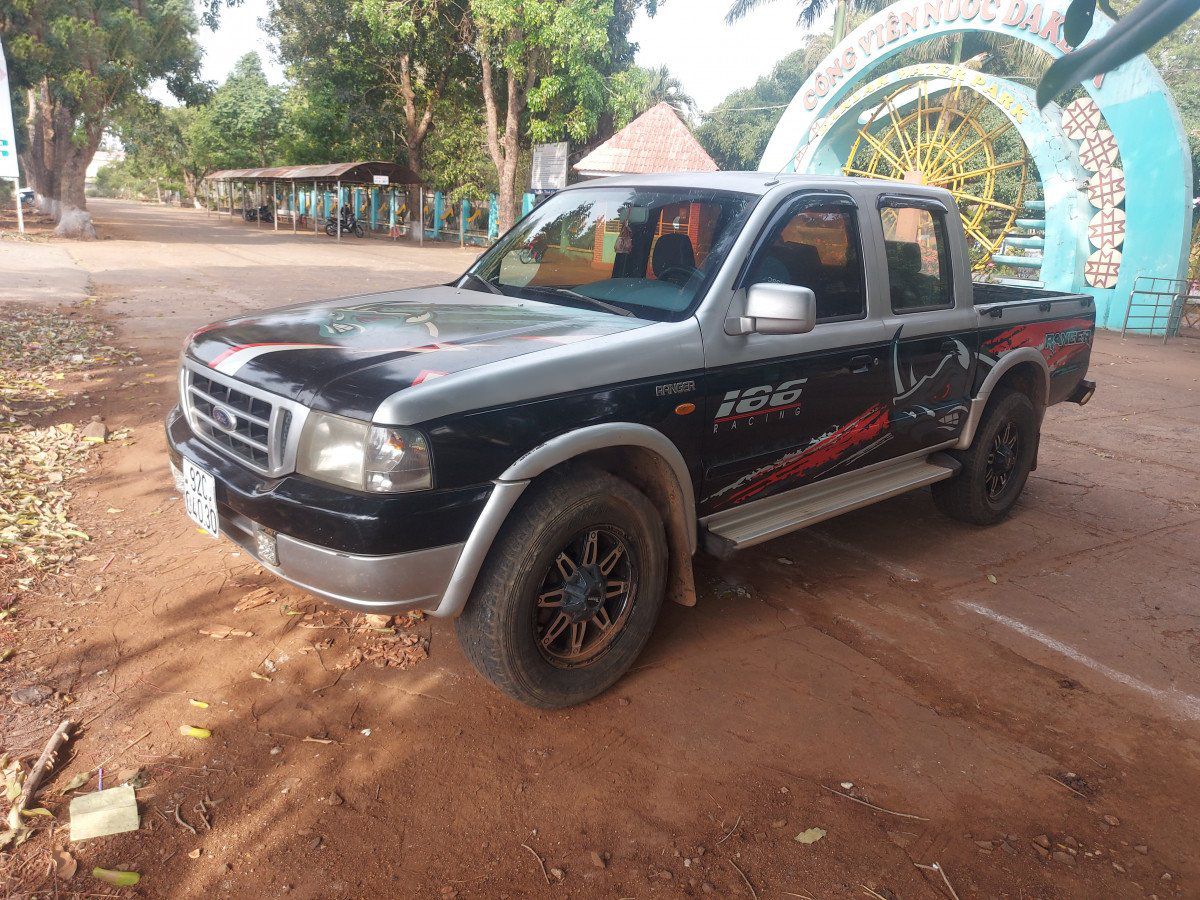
380	195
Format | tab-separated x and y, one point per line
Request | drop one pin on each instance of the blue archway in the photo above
1132	100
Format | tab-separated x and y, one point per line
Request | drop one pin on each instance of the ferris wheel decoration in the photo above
949	142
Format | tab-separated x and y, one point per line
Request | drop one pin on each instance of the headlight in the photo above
397	460
363	456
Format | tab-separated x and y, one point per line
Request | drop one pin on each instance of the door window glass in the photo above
817	248
918	258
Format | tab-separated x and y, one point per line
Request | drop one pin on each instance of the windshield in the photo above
642	251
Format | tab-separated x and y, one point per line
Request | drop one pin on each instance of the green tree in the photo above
543	65
73	64
240	126
637	89
161	146
385	63
735	133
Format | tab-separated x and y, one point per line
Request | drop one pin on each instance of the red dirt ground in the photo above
871	650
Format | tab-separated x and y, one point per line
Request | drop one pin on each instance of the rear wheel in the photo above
570	592
358	230
331	228
997	465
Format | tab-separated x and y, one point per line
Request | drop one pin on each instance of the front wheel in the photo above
997	465
331	229
358	230
570	592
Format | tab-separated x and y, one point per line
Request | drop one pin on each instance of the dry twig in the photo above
44	763
1061	783
937	868
730	831
890	812
541	865
737	868
179	819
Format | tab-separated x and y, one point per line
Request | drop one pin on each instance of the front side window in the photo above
644	251
918	258
817	248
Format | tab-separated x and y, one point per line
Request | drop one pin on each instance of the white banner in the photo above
8	134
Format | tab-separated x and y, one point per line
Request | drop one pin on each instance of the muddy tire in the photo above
570	592
997	465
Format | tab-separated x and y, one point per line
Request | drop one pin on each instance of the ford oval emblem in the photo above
224	418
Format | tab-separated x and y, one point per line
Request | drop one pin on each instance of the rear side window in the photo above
817	248
918	258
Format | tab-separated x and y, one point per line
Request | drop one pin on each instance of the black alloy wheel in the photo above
585	598
1002	460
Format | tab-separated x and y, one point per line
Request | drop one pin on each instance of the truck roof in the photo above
754	182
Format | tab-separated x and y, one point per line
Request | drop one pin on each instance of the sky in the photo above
688	36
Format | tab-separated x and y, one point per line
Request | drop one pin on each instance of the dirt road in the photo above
973	719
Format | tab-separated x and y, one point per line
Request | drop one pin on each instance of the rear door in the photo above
786	410
931	322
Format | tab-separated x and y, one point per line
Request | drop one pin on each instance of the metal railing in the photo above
1163	306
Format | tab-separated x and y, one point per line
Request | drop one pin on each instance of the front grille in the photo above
244	422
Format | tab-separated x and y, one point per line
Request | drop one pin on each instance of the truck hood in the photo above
347	355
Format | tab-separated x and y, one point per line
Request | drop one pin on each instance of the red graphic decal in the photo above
426	375
1058	341
829	449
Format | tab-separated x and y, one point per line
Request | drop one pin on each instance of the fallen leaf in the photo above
259	676
65	864
254	599
194	854
810	836
78	781
37	811
117	878
992	578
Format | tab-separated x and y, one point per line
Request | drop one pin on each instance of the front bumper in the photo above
247	505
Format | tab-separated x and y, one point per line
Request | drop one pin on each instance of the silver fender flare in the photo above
512	483
1003	365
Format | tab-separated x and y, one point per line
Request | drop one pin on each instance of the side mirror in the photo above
776	309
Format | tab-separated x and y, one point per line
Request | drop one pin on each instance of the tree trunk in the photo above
189	185
74	221
504	149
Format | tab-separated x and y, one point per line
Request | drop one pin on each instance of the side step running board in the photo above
762	520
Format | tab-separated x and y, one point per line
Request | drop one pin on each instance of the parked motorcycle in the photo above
350	224
263	214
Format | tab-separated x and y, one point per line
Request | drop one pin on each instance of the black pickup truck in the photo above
639	368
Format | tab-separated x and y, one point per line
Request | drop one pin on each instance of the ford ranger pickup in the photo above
640	368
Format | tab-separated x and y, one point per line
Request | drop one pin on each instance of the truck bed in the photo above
987	294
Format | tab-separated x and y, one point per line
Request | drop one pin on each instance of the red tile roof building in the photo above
656	141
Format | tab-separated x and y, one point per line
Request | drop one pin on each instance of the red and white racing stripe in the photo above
229	362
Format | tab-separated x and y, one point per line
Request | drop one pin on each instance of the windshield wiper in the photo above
487	284
575	295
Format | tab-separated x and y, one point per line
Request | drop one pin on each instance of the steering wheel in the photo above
671	273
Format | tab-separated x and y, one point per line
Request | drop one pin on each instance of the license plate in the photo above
200	498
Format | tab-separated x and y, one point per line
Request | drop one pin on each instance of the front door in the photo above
791	409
